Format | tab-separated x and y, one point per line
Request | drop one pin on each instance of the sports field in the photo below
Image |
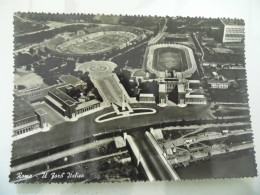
94	42
167	56
169	59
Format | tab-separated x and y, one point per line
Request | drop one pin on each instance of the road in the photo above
68	132
81	162
204	126
165	25
62	154
151	157
155	39
25	19
52	117
209	136
130	49
196	39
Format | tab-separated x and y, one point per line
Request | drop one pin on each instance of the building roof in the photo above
177	35
162	74
162	87
40	112
194	96
181	88
168	145
217	81
64	80
68	83
22	109
88	103
233	22
207	38
70	79
62	96
55	102
69	102
146	95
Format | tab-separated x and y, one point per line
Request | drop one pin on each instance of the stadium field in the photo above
93	43
169	59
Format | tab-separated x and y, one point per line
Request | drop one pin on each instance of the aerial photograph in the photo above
126	98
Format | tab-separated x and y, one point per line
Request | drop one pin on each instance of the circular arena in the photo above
93	41
171	58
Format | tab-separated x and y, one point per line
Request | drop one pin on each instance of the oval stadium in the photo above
176	58
93	41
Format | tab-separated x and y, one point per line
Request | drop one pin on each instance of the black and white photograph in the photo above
127	98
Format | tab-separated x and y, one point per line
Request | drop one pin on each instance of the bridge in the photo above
150	157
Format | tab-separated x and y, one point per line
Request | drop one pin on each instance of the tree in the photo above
23	59
183	122
216	107
31	51
28	67
134	174
153	76
20	87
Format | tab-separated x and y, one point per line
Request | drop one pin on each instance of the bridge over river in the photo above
153	162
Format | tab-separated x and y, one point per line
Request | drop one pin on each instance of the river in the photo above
237	164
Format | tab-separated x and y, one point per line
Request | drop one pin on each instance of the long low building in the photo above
146	98
218	84
195	99
25	118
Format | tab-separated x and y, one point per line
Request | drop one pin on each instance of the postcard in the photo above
114	98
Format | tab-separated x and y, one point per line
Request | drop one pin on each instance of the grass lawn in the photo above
27	78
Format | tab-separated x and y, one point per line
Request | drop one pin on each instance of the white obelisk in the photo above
123	101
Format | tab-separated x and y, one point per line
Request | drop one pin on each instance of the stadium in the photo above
161	58
92	41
